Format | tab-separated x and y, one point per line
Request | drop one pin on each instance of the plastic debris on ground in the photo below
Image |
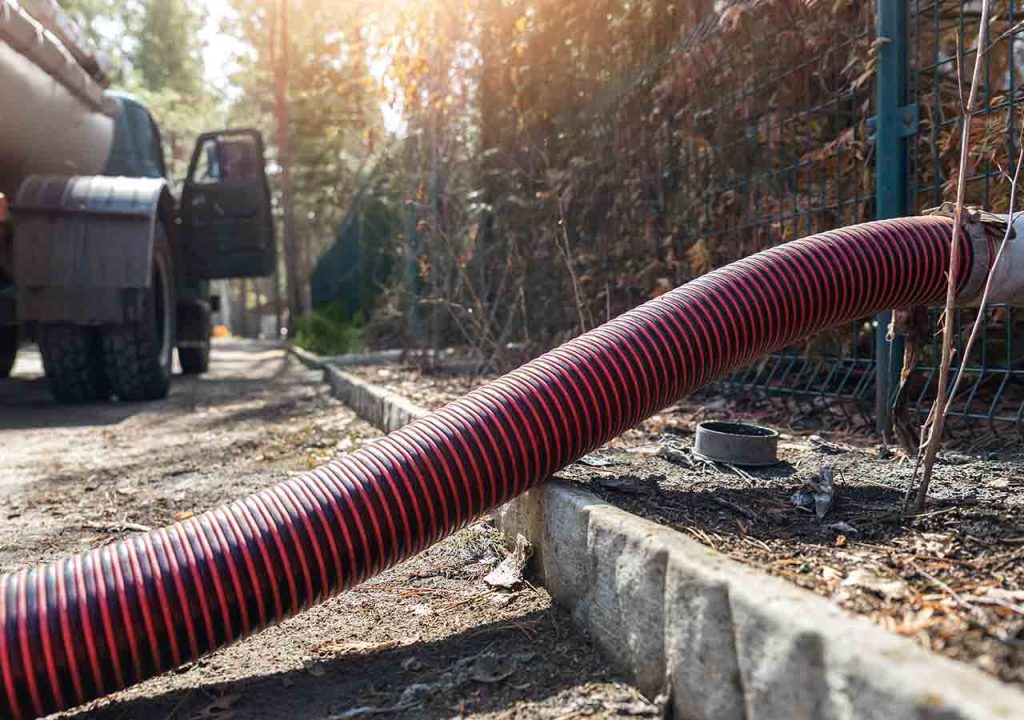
509	572
818	493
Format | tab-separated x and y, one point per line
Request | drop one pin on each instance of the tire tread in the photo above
130	361
73	364
194	360
131	351
8	349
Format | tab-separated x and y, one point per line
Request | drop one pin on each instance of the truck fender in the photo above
83	246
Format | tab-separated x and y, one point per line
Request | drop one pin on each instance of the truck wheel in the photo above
194	321
195	359
73	363
8	349
137	355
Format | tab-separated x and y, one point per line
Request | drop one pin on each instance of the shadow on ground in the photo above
480	670
26	404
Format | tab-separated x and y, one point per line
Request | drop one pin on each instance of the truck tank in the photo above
54	118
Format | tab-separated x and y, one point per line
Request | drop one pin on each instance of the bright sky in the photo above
219	50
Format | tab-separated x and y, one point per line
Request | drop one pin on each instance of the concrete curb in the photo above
721	640
378	357
310	360
445	358
725	641
381	408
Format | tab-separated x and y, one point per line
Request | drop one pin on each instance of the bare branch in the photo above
938	415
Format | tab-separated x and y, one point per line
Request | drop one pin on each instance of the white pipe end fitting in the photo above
1007	278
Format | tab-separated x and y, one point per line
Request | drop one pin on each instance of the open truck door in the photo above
226	223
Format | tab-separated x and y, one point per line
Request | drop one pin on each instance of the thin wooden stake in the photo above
938	416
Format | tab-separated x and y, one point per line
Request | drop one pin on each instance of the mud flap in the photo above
83	247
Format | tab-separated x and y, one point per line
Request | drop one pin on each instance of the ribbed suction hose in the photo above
93	623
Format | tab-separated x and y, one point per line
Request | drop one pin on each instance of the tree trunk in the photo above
292	255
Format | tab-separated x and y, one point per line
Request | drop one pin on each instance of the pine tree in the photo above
168	55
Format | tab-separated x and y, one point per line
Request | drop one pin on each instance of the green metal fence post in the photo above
894	123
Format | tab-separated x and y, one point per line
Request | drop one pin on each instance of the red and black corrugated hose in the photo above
93	623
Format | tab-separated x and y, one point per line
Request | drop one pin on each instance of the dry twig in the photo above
937	416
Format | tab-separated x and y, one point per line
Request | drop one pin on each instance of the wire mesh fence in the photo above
940	51
568	159
804	165
942	40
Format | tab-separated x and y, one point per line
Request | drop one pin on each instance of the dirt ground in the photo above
427	639
952	579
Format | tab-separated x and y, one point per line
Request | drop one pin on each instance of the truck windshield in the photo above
136	150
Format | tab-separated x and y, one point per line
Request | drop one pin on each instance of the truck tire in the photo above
194	321
8	349
195	359
137	356
73	363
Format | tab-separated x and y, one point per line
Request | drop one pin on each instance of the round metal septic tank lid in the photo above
737	443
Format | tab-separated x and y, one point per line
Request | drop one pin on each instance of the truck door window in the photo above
239	158
208	169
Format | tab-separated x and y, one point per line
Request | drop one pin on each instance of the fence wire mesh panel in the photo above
566	160
785	154
943	47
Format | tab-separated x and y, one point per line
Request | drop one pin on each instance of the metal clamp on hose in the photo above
980	225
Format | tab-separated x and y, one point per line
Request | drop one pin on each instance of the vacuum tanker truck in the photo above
100	262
